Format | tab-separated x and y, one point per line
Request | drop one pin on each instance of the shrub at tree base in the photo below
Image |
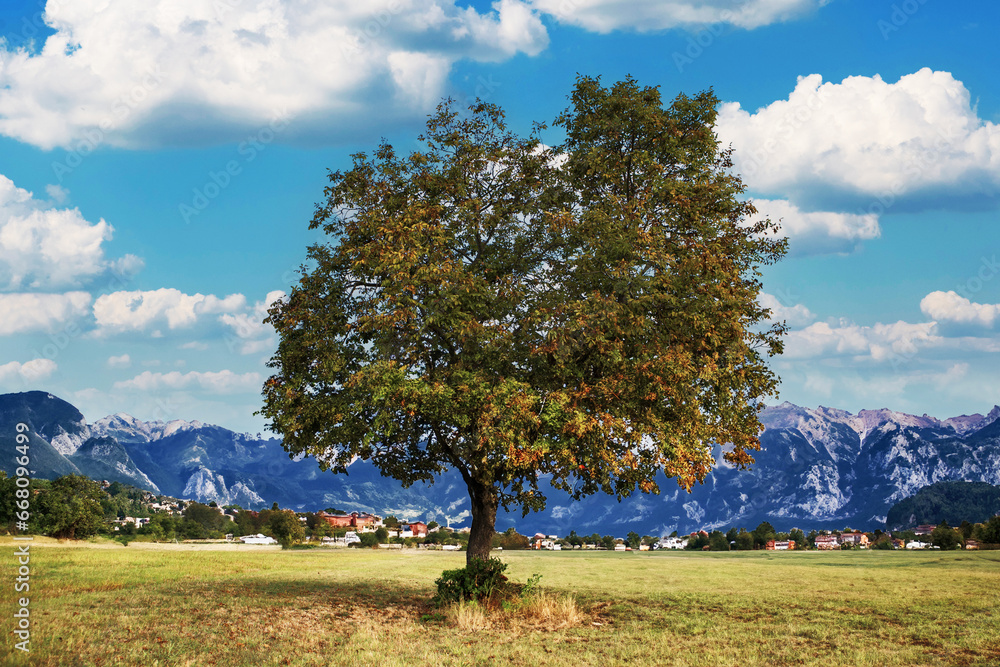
478	581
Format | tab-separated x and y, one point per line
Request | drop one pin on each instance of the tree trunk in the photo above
484	517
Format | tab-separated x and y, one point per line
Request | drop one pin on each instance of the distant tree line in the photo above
950	502
76	507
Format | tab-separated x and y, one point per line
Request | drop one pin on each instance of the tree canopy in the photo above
71	507
585	314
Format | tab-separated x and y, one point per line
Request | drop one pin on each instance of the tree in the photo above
632	539
71	507
697	541
717	541
744	540
796	535
382	535
210	519
511	540
8	500
322	529
486	307
285	527
762	534
946	537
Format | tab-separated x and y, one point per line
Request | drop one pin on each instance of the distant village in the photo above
339	528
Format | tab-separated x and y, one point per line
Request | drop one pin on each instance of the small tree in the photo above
285	527
946	537
633	539
763	534
510	540
744	541
487	307
797	536
717	541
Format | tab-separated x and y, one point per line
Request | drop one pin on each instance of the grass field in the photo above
171	605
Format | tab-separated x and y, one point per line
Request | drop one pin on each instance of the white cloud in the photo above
122	361
880	342
47	248
28	372
221	382
254	336
57	193
867	137
816	232
951	307
20	313
796	315
141	310
199	71
647	15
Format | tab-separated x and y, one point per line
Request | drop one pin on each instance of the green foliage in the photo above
483	306
717	541
123	500
285	527
382	535
744	540
799	537
71	507
698	541
7	500
476	581
633	539
209	518
953	502
762	534
989	532
946	537
369	540
511	540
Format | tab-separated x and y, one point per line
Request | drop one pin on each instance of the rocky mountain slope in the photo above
819	467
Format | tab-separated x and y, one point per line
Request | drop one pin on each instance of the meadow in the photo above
105	604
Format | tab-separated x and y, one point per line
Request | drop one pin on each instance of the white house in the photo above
673	542
917	545
258	539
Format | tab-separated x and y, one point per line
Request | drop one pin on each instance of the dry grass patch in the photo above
541	611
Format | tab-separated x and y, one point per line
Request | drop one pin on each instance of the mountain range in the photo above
818	468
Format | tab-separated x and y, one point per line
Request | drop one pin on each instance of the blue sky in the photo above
159	164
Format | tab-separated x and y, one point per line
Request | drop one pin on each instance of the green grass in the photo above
143	605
